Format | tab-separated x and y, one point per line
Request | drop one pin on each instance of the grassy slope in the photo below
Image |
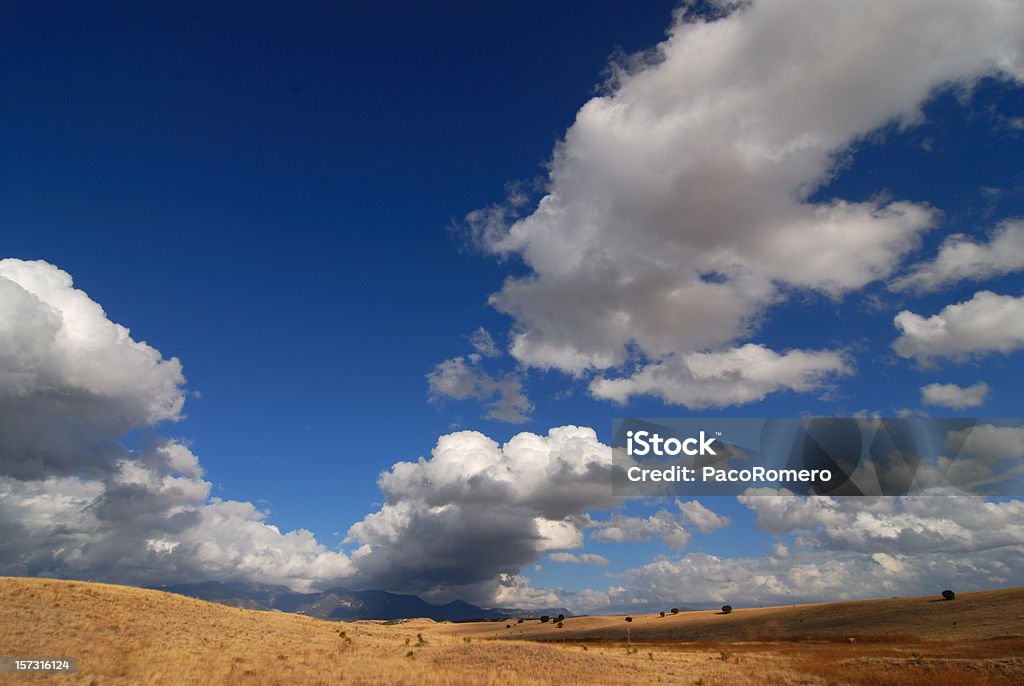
125	635
981	615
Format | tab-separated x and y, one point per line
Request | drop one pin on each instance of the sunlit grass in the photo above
124	635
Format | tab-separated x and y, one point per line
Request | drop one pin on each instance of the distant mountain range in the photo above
343	604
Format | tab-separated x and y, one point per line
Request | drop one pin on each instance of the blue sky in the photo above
314	210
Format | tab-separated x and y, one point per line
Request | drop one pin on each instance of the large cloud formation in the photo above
71	381
464	522
679	205
73	500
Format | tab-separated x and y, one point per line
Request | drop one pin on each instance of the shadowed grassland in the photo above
123	635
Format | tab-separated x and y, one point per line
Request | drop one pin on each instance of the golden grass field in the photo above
124	635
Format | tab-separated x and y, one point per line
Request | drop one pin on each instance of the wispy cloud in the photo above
462	377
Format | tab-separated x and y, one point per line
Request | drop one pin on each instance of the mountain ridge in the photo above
342	604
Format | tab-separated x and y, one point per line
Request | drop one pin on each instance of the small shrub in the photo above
544	619
675	610
629	619
948	594
519	621
561	618
662	613
726	609
560	625
411	653
508	626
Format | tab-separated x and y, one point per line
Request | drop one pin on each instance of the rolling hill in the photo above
122	635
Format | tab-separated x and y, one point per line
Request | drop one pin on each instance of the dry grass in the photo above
981	615
124	635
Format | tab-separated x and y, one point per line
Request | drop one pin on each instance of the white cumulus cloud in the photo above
735	376
678	206
662	525
989	442
476	512
71	381
697	514
845	548
898	526
73	500
987	323
580	559
961	258
955	397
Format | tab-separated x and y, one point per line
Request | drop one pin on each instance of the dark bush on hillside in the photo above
948	594
662	613
675	610
629	619
560	624
519	621
561	618
726	609
544	619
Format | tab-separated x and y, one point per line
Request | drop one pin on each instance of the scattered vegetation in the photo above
544	619
726	609
675	610
949	595
126	636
